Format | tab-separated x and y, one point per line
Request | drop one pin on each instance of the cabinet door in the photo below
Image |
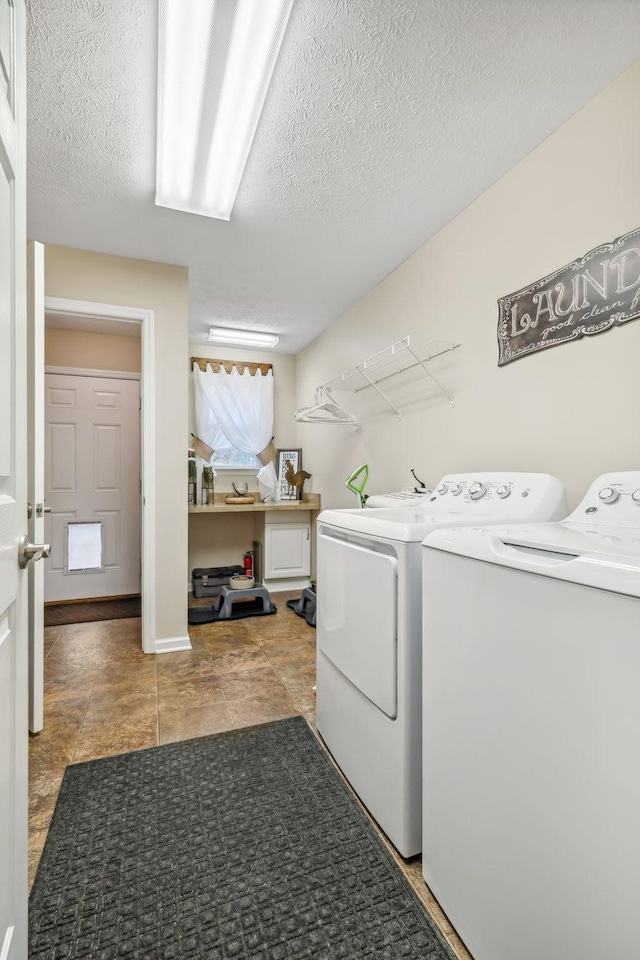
287	550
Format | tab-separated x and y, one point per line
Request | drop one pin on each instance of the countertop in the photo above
310	501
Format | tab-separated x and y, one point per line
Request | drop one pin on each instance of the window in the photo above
234	460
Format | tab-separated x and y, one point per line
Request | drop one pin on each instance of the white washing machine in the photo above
531	693
369	632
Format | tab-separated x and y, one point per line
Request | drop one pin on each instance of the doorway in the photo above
87	318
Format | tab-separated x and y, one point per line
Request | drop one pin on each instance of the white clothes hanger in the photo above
324	410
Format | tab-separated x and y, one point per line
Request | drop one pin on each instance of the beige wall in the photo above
91	351
82	275
574	410
218	541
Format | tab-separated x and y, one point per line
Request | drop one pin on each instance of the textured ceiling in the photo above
383	121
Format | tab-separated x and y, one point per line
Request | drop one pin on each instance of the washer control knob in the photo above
442	488
477	490
635	496
456	489
503	492
608	495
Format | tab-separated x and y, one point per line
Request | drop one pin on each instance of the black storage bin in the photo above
208	580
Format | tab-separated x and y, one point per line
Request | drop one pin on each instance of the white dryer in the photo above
369	632
531	691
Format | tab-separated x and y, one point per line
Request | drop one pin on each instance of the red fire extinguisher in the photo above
247	563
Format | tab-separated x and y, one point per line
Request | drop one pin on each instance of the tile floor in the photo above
103	696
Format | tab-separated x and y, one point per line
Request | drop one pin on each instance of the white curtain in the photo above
236	410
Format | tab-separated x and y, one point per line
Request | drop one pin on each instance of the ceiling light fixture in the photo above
215	62
244	338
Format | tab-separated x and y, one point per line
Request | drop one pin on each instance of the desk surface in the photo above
310	501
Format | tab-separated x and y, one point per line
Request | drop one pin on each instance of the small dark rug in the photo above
306	611
59	613
244	845
244	608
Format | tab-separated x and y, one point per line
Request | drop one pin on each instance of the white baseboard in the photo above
172	644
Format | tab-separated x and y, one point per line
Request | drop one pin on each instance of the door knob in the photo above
31	551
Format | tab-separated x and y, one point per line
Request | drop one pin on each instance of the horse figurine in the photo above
295	480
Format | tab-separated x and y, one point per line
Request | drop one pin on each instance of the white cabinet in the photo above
287	550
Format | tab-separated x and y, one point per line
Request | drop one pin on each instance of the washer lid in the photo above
597	555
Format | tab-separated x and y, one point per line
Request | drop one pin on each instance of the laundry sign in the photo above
588	296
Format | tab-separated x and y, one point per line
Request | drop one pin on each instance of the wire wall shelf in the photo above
400	356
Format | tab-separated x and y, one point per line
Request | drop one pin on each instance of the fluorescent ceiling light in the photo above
215	62
244	338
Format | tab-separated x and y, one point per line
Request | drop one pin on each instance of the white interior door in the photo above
13	486
92	473
35	460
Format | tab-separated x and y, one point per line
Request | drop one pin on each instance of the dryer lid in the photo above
405	525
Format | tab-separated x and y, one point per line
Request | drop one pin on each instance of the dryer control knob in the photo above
477	490
608	495
635	496
503	492
442	488
456	489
